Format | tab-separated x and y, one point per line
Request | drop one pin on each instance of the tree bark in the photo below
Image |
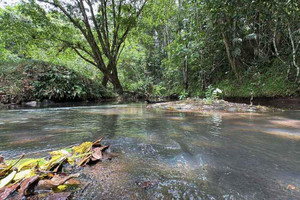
185	73
98	44
294	50
104	81
231	59
114	79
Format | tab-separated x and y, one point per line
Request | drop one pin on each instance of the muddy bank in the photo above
197	105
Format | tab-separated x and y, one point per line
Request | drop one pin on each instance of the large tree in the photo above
103	26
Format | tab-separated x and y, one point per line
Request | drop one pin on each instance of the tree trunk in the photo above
294	53
104	81
114	79
231	59
185	73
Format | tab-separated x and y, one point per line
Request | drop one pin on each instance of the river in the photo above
168	155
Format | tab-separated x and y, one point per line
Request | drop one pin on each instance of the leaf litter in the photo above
27	175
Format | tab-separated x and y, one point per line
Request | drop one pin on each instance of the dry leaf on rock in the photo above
27	186
6	191
55	181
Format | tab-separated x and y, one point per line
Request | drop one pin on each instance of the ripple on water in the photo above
290	134
210	156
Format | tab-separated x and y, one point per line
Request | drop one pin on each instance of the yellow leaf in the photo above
28	163
83	148
62	187
24	174
62	152
54	160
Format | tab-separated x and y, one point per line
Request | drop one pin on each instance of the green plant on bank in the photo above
266	83
159	90
212	94
183	95
59	84
33	80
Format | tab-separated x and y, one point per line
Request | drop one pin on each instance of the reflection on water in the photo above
183	156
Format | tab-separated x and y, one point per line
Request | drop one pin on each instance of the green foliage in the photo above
60	84
159	90
31	80
183	95
178	47
212	94
270	83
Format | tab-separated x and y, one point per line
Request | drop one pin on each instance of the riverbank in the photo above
36	81
291	103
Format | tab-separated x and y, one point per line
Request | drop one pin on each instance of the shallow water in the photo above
179	155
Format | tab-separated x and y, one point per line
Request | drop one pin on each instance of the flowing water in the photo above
168	155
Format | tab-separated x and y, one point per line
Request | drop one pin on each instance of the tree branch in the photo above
84	58
100	38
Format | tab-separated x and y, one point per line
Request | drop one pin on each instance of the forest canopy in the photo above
162	47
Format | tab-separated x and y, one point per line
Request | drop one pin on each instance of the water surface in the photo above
179	155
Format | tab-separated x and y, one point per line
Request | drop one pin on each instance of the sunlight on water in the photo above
176	155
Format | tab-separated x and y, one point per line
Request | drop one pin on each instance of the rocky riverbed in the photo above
204	105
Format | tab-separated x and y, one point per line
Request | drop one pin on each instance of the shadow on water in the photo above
168	155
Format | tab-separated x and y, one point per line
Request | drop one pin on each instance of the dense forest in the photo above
91	49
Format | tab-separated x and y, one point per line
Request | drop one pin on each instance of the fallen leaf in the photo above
24	174
55	181
62	188
11	165
291	187
97	142
62	152
55	160
27	163
1	159
6	191
27	186
84	160
83	148
4	182
73	182
97	153
25	178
